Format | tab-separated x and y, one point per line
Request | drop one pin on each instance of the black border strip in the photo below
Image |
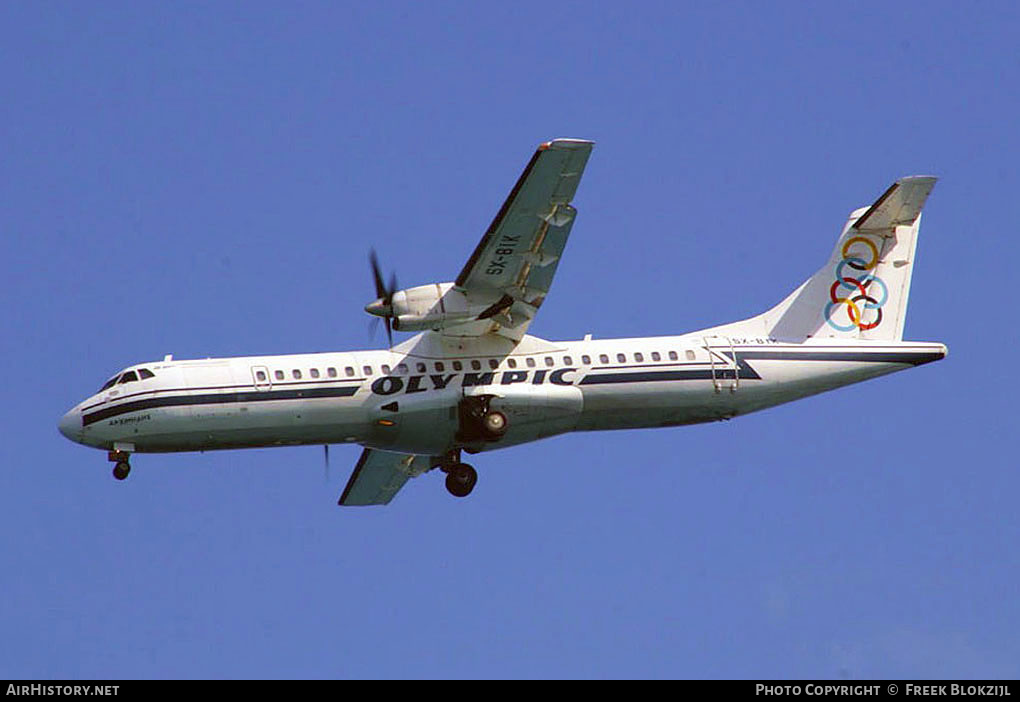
914	358
874	207
491	231
268	388
653	376
354	475
747	372
222	398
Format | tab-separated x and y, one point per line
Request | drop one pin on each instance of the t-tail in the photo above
862	292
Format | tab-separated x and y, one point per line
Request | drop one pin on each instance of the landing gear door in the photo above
261	378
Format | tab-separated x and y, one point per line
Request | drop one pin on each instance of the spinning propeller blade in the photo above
383	305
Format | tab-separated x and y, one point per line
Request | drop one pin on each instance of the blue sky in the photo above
205	179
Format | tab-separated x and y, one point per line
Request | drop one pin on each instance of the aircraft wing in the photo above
516	259
378	476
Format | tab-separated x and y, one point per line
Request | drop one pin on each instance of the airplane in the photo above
473	380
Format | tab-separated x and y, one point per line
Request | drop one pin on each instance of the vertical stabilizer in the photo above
861	293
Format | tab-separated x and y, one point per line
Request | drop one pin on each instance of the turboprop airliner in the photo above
473	380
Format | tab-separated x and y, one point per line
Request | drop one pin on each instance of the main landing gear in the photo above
477	423
123	467
461	479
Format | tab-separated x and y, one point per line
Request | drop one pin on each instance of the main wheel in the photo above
494	424
461	479
121	470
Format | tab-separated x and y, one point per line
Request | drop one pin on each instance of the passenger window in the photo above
420	367
549	361
639	357
493	363
367	370
457	365
279	375
440	367
331	372
261	376
296	373
349	371
603	358
511	362
656	356
621	358
531	362
690	355
672	355
314	372
145	373
385	369
586	360
476	365
402	369
128	377
568	360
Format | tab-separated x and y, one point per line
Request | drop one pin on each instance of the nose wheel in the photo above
461	479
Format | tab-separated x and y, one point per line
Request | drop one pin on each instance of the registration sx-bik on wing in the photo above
474	380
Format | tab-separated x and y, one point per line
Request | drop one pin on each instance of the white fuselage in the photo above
405	399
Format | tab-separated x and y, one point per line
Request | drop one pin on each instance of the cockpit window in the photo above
128	377
145	373
109	383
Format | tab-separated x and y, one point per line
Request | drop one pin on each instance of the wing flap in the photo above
379	475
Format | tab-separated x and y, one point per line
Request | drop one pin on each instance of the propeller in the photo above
383	305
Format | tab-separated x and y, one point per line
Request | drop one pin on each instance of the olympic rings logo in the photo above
859	290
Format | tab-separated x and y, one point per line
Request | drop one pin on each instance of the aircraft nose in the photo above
70	425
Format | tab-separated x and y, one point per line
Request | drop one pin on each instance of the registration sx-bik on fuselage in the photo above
473	380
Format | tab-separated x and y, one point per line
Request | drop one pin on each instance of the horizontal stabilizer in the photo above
899	205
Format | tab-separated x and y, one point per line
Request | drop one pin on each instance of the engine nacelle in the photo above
432	306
